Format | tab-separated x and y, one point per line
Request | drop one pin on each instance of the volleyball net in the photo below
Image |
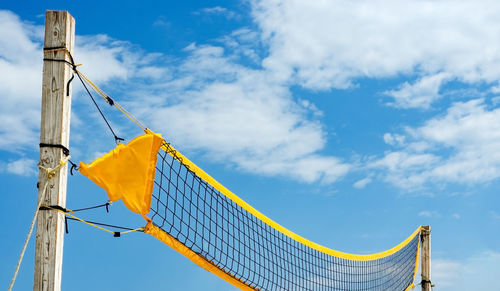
194	214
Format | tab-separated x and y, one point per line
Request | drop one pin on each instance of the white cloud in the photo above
234	114
211	104
445	272
244	43
495	89
478	272
394	139
436	214
429	213
103	58
249	110
217	10
331	44
21	56
405	170
461	147
22	167
420	94
494	214
360	184
20	81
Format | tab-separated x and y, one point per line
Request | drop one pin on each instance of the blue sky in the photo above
350	123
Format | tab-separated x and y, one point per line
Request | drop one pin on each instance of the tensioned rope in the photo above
50	172
97	225
200	218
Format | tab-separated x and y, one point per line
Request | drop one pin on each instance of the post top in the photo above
59	29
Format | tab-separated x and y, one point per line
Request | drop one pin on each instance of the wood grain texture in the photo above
426	258
54	129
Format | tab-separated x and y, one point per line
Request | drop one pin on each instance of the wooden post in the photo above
426	258
55	123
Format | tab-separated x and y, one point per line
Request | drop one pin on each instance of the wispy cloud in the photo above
104	59
360	184
21	167
445	272
429	213
420	94
208	103
20	82
217	10
246	116
478	272
233	113
457	147
437	214
331	44
494	214
161	22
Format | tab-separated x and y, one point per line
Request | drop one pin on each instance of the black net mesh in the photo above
213	226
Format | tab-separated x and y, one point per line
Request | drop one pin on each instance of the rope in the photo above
65	151
110	101
117	139
243	244
96	88
50	174
104	224
71	62
94	224
78	73
29	236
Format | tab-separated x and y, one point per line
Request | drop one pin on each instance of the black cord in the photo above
71	63
117	139
65	151
73	66
93	207
59	146
73	167
104	224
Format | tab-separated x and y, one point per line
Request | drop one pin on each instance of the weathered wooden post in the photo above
426	258
54	131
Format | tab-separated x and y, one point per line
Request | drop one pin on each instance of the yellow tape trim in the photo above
172	242
203	175
167	239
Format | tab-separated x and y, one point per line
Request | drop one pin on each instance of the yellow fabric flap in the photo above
128	171
167	239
